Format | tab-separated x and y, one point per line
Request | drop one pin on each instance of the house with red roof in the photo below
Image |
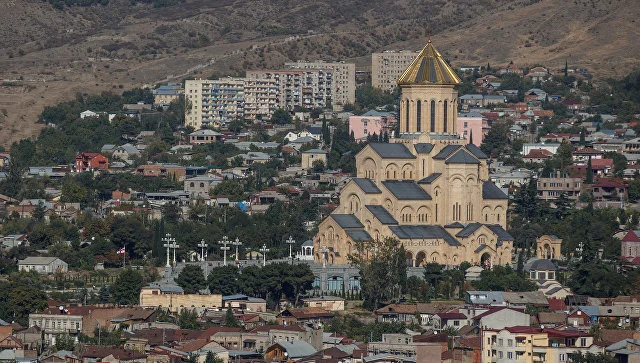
455	320
630	247
537	156
91	161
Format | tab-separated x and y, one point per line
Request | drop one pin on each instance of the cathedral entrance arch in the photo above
486	261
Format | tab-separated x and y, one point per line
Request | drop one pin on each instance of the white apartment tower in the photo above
309	88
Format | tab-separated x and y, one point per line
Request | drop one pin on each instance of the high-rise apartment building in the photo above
214	102
344	79
386	68
309	88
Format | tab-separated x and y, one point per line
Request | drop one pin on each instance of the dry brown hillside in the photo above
49	55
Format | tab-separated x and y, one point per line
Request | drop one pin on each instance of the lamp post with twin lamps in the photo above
225	241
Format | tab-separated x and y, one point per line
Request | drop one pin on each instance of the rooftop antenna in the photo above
429	29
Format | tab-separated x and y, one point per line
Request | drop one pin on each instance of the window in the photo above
499	355
366	132
445	114
433	116
510	342
457	322
419	116
583	342
509	355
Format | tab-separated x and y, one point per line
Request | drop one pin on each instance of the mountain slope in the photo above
48	55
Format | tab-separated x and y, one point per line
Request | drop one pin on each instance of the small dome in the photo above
542	265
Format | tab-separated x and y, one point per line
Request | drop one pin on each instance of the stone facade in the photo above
156	297
428	188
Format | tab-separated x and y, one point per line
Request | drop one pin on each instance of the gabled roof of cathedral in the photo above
481	247
500	232
381	214
424	232
429	179
429	68
392	151
468	230
447	151
367	185
491	191
347	220
462	157
406	190
423	148
359	235
476	151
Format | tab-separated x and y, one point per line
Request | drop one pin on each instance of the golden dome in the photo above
429	68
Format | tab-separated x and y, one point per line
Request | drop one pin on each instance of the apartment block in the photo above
308	88
551	188
261	99
213	102
528	345
386	68
344	79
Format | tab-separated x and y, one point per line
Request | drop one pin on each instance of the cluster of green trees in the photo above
363	330
271	282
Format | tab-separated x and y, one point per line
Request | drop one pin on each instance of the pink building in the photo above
372	122
473	125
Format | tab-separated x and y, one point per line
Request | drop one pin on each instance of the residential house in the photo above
167	93
94	354
43	265
473	127
200	186
329	303
245	303
500	318
125	152
626	350
252	157
371	122
609	190
13	240
88	113
522	299
310	157
455	320
91	161
484	298
290	350
537	156
304	315
583	316
582	156
405	313
204	136
399	344
527	147
630	247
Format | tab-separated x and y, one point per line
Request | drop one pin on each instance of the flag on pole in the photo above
120	251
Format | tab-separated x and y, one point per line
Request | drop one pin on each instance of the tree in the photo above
619	163
65	342
326	136
212	358
126	289
230	319
382	266
104	295
589	177
188	319
495	142
563	156
191	279
318	166
224	280
281	117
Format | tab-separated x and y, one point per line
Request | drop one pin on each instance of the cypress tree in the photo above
589	176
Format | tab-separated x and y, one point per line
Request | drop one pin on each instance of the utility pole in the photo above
175	247
290	242
224	248
264	251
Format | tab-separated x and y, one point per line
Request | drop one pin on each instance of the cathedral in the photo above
428	188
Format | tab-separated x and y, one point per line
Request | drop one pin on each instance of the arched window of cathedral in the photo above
486	217
436	211
419	116
404	174
445	114
433	116
387	174
394	174
498	216
407	114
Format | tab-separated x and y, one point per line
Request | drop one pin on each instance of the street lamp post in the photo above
175	246
224	248
167	243
236	243
264	251
203	254
290	242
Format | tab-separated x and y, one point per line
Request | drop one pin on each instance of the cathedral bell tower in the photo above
428	101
